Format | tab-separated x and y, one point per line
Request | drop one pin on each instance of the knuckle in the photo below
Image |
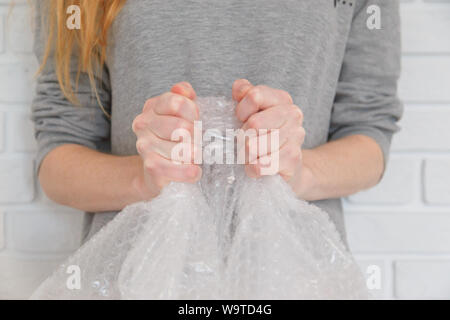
302	132
182	124
138	124
134	125
166	95
147	105
286	96
175	103
299	132
141	146
253	122
298	113
262	87
254	95
150	163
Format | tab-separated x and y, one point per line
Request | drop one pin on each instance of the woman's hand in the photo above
262	107
161	116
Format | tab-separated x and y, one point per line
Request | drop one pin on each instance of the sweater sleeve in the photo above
366	98
56	120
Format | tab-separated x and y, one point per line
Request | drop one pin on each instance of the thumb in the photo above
185	89
240	89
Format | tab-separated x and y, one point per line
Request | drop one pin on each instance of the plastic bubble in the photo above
226	237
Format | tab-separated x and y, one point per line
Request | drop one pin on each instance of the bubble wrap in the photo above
226	237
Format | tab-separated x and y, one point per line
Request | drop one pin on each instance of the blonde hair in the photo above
89	42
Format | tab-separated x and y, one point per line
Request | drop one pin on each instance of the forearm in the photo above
88	180
339	168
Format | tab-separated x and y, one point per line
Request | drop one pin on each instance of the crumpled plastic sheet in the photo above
226	237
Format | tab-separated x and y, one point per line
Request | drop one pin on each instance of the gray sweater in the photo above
341	74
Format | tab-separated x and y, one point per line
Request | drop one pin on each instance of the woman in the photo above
297	65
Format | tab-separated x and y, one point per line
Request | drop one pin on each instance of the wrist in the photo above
142	186
137	186
308	187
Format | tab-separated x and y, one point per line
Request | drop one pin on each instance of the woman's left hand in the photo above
262	107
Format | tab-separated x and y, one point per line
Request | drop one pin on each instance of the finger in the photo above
159	166
274	118
260	98
172	128
240	88
176	105
251	146
283	161
165	127
185	89
266	165
257	146
176	151
263	145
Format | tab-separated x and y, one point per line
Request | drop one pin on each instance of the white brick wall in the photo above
404	223
402	226
436	176
35	235
416	279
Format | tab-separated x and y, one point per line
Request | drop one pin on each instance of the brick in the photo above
368	270
437	181
20	26
2	131
422	28
2	32
424	129
391	232
22	132
2	231
54	230
17	180
396	187
17	84
422	279
423	79
20	276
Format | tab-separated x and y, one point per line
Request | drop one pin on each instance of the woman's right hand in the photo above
160	117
